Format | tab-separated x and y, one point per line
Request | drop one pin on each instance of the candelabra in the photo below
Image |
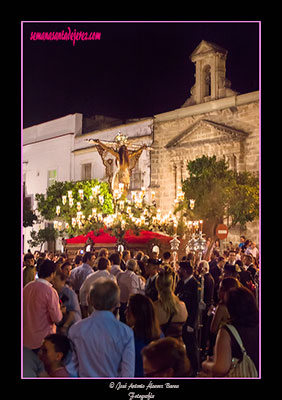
174	245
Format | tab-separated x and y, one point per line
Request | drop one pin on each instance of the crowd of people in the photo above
130	315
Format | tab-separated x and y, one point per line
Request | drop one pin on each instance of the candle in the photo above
121	205
55	223
128	210
101	199
121	187
153	194
70	201
80	192
116	194
69	194
64	199
95	190
94	210
78	206
73	221
58	209
192	204
201	225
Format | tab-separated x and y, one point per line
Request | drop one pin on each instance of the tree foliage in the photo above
29	217
47	203
42	236
220	193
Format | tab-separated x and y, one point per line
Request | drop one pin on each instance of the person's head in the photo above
104	295
139	255
220	262
242	239
214	255
248	259
126	255
191	257
64	257
47	270
66	268
241	305
225	285
229	270
123	155
152	267
203	267
165	284
166	279
185	270
253	244
115	259
54	350
104	263
104	253
232	256
78	260
88	258
165	357
59	280
131	264
167	256
29	259
141	316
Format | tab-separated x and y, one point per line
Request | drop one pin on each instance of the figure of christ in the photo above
125	162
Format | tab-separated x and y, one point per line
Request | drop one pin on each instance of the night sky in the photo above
135	70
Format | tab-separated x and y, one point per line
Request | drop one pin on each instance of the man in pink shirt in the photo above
41	307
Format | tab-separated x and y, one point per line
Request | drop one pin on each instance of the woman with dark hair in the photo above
244	316
141	317
165	358
221	315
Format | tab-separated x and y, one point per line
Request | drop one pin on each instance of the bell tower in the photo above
210	74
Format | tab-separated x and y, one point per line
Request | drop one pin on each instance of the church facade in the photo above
214	120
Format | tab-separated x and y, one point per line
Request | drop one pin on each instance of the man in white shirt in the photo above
104	268
79	274
129	283
115	261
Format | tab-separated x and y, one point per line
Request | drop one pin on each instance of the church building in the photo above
214	120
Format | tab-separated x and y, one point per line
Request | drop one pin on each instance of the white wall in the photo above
59	145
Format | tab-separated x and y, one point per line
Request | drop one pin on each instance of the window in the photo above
52	177
86	171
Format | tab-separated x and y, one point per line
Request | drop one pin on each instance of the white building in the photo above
57	151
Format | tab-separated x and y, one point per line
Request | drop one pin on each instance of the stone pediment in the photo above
207	47
205	131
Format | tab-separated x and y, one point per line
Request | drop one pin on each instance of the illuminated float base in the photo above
145	242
